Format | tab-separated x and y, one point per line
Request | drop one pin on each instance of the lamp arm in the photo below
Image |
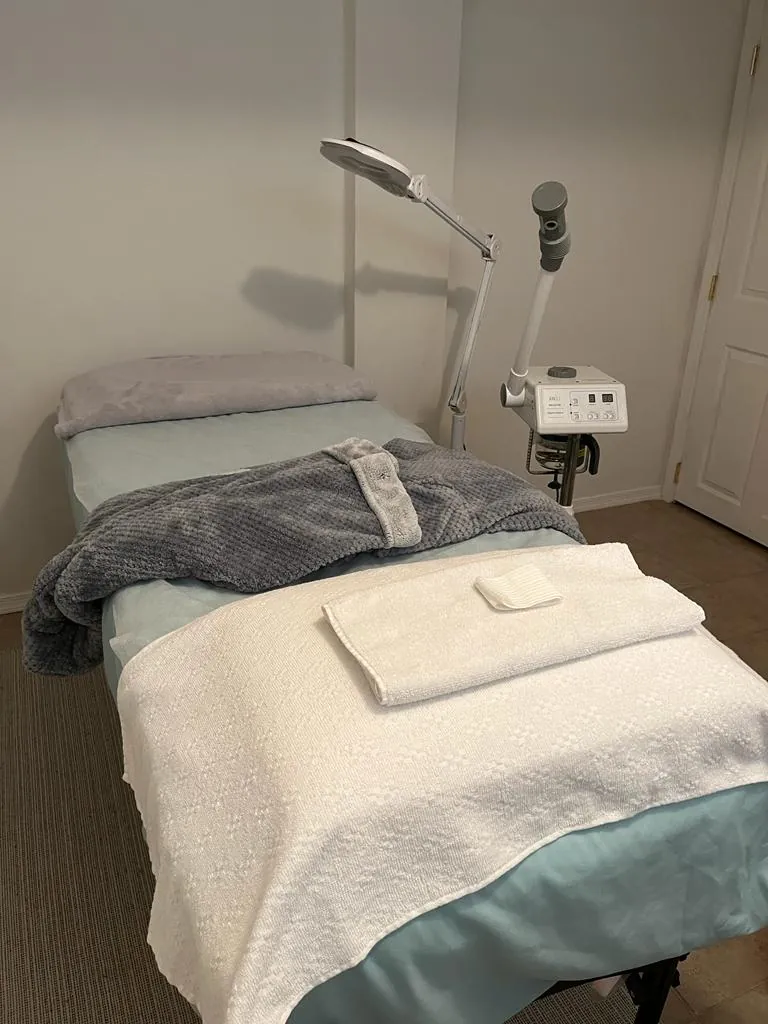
419	191
457	403
490	247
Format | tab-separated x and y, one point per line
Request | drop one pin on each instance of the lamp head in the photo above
367	162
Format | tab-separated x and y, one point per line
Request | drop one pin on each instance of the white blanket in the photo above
421	638
292	822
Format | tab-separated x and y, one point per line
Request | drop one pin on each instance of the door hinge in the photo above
755	58
712	287
678	467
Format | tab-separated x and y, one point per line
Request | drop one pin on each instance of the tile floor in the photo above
728	576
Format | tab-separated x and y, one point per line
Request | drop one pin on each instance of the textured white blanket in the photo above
292	821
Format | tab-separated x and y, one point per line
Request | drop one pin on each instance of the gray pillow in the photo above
186	387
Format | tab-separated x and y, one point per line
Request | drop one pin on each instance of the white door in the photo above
724	471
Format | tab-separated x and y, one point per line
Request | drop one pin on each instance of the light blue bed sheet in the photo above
591	903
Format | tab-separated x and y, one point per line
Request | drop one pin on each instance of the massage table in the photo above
594	903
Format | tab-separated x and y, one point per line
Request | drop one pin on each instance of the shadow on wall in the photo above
311	303
294	299
36	507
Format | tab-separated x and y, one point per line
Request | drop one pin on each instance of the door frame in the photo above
735	137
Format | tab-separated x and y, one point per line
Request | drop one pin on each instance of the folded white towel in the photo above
433	635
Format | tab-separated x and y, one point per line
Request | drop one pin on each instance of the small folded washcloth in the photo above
435	634
524	587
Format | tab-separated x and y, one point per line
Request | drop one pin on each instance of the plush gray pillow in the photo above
186	387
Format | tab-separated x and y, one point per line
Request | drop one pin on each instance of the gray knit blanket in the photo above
270	526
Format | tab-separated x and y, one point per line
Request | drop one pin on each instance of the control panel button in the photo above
608	416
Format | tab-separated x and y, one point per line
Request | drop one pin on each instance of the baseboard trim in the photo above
614	498
13	602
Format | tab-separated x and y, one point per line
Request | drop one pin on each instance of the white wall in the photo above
160	191
627	103
406	94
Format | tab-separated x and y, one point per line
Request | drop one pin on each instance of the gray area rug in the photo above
75	882
579	1006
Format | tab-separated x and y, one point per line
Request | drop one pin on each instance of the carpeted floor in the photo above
75	882
579	1006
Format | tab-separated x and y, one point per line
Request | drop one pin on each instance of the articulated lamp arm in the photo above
549	202
490	248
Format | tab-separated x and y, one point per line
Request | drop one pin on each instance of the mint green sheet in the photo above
594	902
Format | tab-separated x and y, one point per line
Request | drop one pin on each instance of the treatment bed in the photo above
592	903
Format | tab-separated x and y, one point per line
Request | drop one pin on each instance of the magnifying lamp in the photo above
369	163
549	202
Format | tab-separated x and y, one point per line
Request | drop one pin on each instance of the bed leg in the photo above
650	987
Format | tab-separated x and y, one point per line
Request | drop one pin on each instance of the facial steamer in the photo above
564	406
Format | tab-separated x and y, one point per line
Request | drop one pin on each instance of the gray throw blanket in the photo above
270	526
